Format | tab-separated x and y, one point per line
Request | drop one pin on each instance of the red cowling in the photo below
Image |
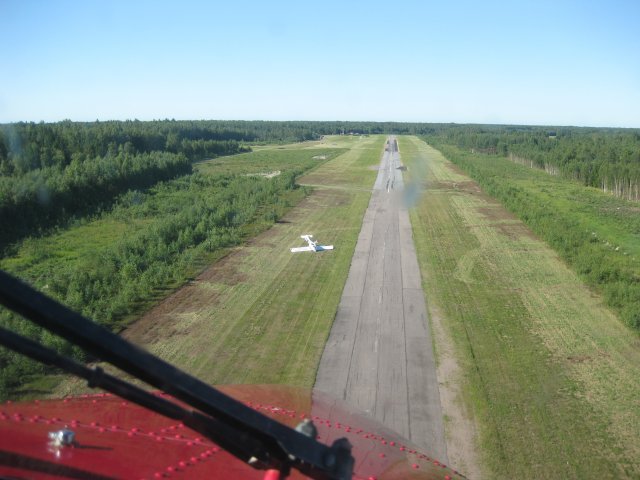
116	439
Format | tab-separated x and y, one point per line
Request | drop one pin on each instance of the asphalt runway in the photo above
379	355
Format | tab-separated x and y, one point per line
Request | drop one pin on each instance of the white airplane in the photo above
312	247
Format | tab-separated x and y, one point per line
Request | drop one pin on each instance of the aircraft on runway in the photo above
312	247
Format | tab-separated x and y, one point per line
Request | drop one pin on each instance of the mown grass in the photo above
548	373
596	233
270	310
266	160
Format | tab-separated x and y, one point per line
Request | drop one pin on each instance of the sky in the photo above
573	62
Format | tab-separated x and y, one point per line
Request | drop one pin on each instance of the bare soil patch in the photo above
579	358
460	428
504	221
161	321
463	187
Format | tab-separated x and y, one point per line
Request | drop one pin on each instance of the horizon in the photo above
535	63
223	120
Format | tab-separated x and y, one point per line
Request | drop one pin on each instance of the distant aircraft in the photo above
312	247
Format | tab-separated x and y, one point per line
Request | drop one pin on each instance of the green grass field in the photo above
114	266
90	236
546	374
262	314
273	310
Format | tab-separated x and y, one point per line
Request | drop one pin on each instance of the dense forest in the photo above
605	158
52	172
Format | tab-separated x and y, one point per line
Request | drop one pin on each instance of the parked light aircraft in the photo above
312	247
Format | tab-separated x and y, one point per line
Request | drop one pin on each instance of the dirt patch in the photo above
579	358
326	197
496	213
468	187
505	222
460	428
225	271
501	219
163	319
515	231
464	187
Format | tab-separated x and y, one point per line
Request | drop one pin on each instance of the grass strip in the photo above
596	233
263	314
548	373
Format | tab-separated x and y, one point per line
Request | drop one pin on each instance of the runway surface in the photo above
379	356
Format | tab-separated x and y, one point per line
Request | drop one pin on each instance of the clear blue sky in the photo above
527	62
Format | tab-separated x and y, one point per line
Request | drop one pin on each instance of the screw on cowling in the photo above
62	438
307	428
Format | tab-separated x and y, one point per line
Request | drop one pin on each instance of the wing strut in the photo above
249	435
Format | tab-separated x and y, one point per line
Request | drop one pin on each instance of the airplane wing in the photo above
319	248
302	249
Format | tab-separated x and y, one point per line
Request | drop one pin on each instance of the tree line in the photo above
29	146
45	197
51	172
604	158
